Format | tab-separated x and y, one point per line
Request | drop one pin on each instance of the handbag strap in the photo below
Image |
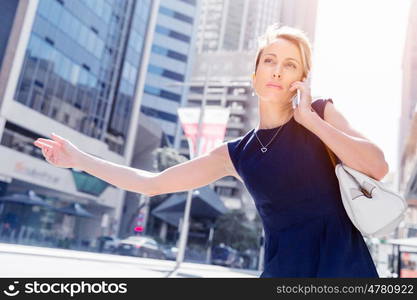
361	188
318	106
332	156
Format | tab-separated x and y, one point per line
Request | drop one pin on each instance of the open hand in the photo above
59	152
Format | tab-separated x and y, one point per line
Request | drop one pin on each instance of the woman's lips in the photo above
274	85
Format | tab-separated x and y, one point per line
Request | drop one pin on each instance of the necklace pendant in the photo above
263	149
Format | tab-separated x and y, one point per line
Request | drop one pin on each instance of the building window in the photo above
54	112
159	114
171	33
175	15
192	2
169	53
162	93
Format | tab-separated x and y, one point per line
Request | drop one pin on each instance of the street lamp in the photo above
185	221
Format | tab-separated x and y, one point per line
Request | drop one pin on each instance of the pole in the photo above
185	223
210	242
399	262
261	251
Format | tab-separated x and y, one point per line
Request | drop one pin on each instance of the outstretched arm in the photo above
191	174
194	173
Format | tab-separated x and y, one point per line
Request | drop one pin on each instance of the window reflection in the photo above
69	69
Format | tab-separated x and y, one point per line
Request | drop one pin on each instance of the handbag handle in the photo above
333	160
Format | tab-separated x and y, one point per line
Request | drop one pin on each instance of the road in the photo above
20	261
29	261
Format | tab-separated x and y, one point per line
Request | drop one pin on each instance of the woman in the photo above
282	162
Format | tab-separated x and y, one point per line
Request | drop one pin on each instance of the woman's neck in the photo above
272	114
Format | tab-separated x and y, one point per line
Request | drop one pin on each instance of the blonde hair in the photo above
294	35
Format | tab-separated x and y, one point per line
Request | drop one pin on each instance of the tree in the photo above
235	230
165	158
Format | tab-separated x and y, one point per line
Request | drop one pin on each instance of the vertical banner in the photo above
140	222
213	127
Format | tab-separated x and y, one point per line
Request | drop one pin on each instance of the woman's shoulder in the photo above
234	148
237	143
319	104
229	146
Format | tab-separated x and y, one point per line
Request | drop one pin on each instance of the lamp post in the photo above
185	221
184	224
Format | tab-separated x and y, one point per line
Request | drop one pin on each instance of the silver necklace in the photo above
264	148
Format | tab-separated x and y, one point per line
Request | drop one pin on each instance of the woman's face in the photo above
279	64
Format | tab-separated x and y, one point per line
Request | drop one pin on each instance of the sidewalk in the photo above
29	261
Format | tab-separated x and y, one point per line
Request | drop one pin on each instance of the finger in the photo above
49	142
45	153
295	85
41	144
46	149
57	138
49	156
301	87
294	88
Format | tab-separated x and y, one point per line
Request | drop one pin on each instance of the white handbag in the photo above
374	209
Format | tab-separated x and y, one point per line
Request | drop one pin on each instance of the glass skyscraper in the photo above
170	62
82	62
76	68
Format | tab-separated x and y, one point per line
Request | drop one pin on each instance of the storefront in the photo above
404	254
48	206
206	207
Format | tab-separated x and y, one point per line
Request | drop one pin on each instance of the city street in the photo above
28	261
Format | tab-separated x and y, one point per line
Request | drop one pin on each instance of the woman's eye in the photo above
292	65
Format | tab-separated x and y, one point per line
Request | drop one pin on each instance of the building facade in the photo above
169	64
234	25
407	141
75	68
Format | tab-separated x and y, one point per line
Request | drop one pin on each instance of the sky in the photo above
357	56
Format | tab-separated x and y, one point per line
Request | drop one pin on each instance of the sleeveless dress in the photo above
296	193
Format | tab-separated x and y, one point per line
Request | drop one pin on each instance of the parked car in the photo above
142	246
226	256
107	244
170	251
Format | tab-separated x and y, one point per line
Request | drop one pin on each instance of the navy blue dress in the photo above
296	193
